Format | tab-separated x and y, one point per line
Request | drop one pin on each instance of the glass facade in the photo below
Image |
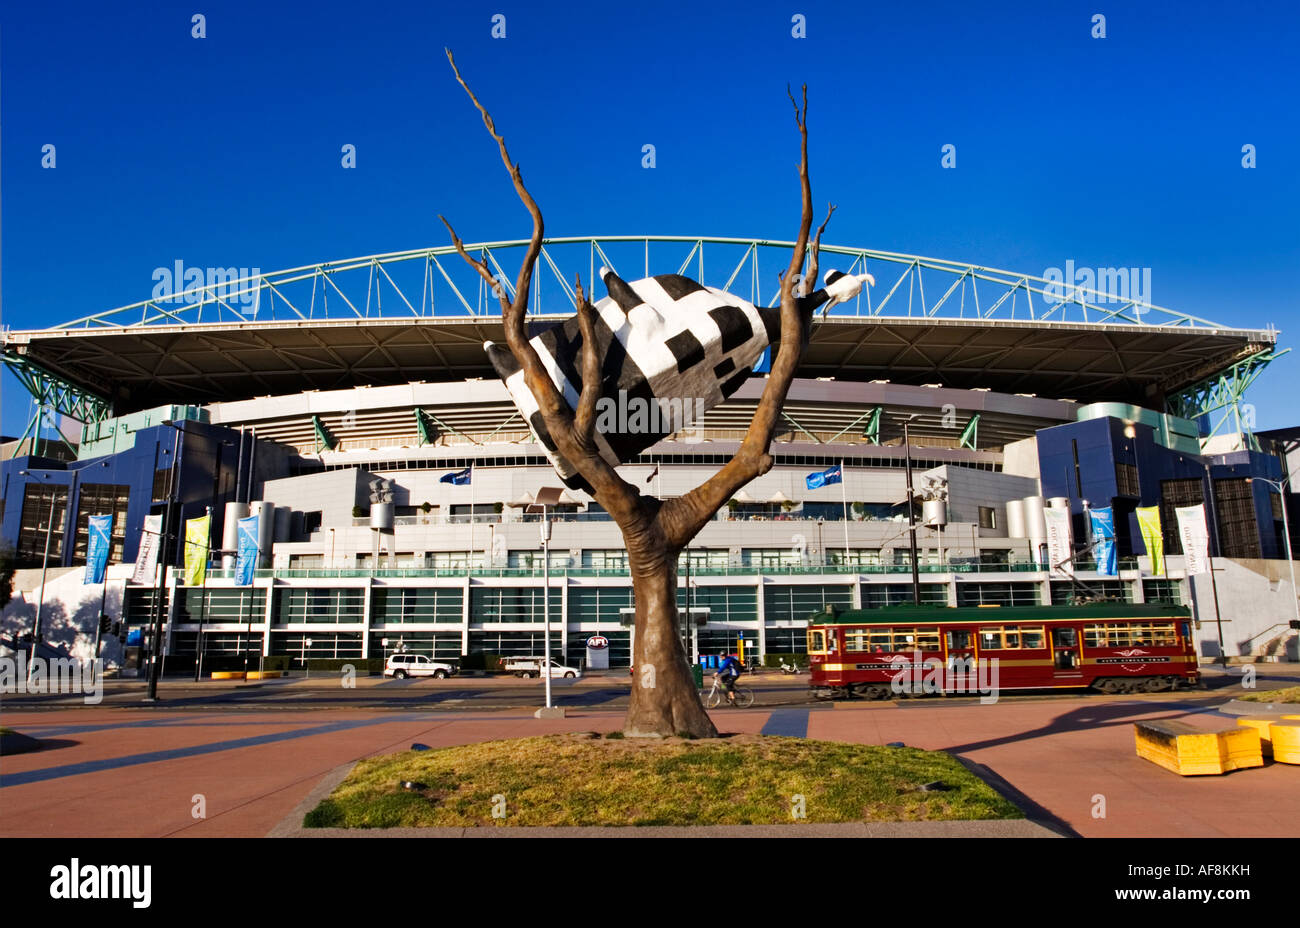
391	605
327	606
493	604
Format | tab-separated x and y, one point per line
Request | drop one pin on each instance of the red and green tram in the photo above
1111	647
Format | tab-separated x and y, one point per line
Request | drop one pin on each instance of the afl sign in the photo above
597	642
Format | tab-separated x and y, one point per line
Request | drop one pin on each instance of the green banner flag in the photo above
196	549
1152	537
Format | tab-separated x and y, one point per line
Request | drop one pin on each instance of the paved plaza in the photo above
1068	761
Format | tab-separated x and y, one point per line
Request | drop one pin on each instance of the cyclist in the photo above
728	672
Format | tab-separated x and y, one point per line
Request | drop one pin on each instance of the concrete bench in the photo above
1191	751
1261	724
1285	735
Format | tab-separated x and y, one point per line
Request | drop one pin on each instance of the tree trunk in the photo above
665	701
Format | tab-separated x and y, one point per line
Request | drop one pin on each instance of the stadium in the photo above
352	405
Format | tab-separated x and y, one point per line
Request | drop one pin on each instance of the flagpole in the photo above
844	498
470	560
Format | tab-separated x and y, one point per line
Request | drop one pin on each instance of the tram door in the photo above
960	663
1065	652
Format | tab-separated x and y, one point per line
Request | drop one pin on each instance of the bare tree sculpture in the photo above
664	698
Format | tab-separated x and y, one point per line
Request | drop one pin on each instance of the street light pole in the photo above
1214	585
156	646
45	562
911	517
546	599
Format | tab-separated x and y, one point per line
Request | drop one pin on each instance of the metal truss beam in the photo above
1223	394
57	394
748	267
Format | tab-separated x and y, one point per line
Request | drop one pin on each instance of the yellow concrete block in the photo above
1191	751
265	674
1286	740
227	675
1260	723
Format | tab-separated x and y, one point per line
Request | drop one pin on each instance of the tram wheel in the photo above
1110	686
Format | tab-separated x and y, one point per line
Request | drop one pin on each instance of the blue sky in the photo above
1122	151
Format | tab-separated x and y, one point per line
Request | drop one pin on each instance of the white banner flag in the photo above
1059	549
1195	536
146	559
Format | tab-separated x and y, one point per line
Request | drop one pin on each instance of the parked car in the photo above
532	667
405	665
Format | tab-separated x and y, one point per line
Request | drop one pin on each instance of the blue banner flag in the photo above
101	531
824	478
1103	533
247	553
458	477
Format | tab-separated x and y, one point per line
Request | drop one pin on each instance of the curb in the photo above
1237	707
291	825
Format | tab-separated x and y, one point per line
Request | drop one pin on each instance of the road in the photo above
595	691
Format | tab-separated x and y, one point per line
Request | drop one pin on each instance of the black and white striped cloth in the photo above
671	350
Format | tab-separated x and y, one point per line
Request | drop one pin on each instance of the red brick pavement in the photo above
1063	753
1060	753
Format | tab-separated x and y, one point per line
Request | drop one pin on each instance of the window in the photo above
1163	591
1173	494
306	604
615	559
1012	637
1126	479
45	508
771	557
1066	594
864	557
1235	505
162	483
888	640
988	517
797	603
416	604
513	604
997	594
1130	634
101	499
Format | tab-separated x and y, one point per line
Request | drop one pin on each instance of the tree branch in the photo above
682	518
478	266
572	431
584	420
815	254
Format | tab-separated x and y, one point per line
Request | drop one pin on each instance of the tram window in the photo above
881	640
1011	638
816	641
1031	638
1187	634
1064	637
959	638
855	639
990	638
927	639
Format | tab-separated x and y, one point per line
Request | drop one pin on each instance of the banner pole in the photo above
844	498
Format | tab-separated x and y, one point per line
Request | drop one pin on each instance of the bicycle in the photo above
718	695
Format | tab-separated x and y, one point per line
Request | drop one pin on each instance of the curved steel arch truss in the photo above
434	283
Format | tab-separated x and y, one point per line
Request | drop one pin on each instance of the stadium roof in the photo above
359	322
139	367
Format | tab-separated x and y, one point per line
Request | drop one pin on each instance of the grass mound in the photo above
1289	694
583	779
